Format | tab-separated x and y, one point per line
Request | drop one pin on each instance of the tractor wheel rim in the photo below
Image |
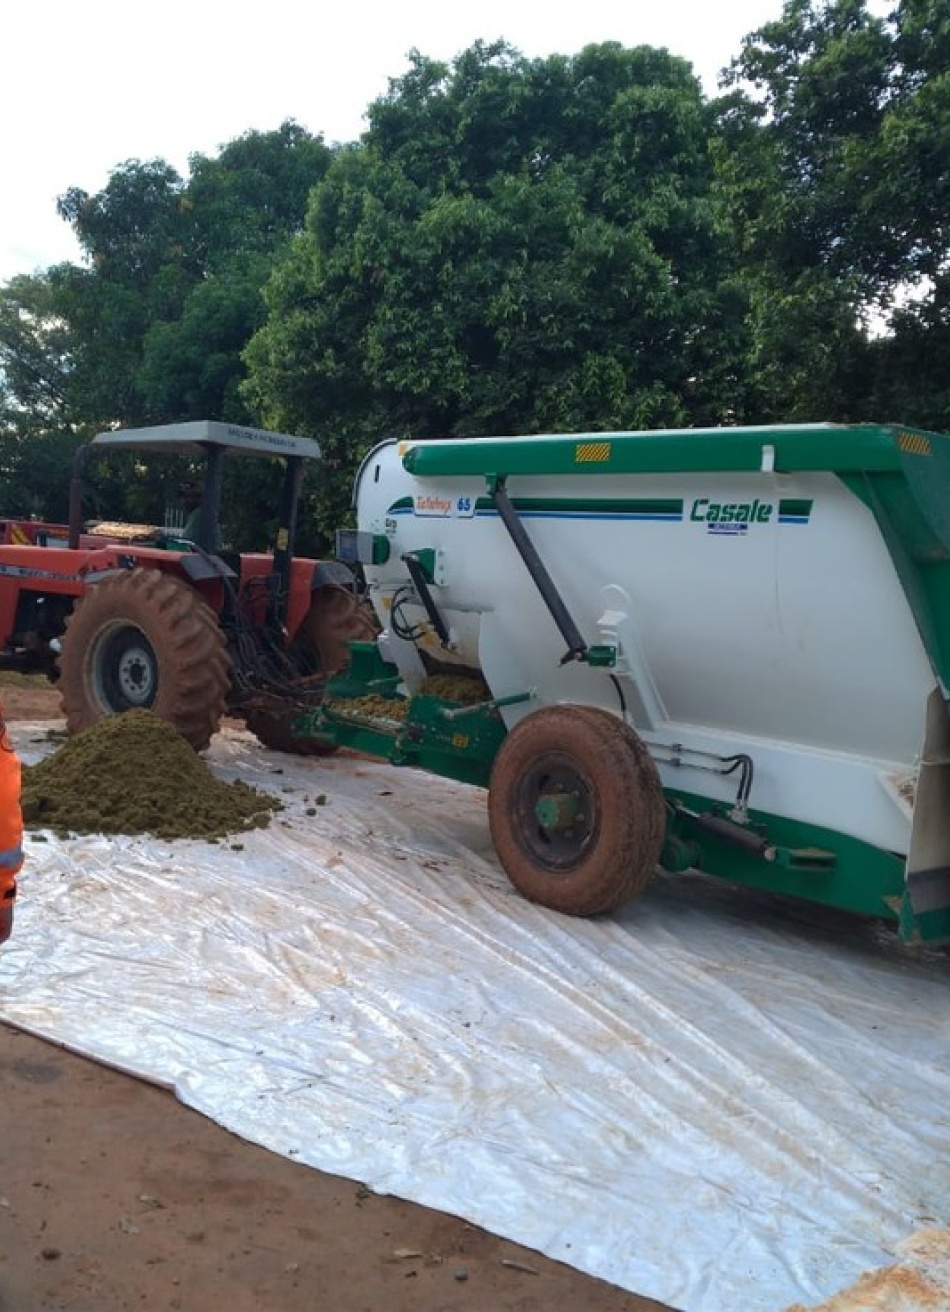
136	675
124	670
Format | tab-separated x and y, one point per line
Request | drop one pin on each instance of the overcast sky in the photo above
88	84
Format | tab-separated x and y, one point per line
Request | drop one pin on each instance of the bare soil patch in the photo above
29	697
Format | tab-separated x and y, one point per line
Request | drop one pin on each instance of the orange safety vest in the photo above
11	829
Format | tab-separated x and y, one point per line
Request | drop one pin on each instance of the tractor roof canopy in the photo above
194	437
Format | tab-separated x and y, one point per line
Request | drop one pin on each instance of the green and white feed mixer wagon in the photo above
722	648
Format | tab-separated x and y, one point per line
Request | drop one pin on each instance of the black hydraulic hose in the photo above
397	621
746	765
619	690
576	646
421	584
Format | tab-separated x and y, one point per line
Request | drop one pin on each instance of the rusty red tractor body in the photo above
137	616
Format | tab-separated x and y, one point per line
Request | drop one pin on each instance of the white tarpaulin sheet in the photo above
710	1099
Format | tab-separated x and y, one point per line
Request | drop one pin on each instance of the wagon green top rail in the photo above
840	448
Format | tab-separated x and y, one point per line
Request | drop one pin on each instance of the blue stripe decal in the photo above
642	516
587	514
555	514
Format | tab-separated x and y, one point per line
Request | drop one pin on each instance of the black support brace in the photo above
576	646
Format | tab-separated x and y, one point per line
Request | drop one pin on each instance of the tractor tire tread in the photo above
194	670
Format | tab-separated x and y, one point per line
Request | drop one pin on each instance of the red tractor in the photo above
128	616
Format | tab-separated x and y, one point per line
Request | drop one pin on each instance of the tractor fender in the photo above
331	572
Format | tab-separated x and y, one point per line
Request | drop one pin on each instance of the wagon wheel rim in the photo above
558	813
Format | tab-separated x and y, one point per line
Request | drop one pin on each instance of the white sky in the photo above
88	84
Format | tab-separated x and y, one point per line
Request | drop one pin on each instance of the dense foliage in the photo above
515	245
834	163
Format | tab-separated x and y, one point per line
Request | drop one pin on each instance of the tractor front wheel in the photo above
576	810
145	640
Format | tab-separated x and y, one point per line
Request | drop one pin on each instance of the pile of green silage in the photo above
135	774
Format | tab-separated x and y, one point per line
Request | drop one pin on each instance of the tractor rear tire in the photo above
335	618
576	810
145	640
271	719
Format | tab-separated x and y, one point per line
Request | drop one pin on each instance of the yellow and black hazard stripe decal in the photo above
914	444
592	453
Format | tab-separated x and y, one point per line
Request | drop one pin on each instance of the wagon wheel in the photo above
576	810
145	640
335	618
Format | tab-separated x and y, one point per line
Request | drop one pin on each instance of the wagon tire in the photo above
144	640
336	617
576	810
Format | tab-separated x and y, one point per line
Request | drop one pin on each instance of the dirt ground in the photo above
28	698
114	1196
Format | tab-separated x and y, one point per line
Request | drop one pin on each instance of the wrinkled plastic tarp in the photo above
712	1098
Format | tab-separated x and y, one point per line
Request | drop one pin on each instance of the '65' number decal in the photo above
435	505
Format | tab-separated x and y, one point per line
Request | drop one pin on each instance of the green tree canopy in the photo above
38	429
243	207
834	163
152	326
36	348
575	242
170	292
515	245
